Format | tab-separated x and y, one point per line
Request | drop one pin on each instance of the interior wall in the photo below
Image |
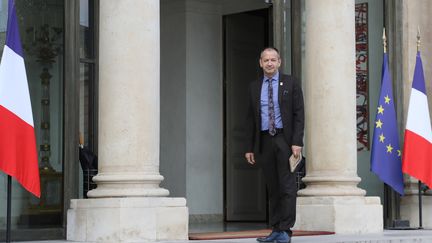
191	104
173	96
204	174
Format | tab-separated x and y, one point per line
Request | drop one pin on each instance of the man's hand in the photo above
250	158
296	150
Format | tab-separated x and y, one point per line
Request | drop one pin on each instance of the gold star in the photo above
380	110
379	123
387	99
399	153
381	138
389	148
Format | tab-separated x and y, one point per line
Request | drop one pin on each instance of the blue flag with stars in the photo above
386	153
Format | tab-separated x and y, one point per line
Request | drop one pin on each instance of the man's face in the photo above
270	62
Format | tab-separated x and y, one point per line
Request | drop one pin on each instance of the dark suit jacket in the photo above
290	98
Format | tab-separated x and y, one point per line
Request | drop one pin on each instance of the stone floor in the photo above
405	236
388	236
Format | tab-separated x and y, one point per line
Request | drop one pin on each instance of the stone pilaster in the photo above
332	201
413	17
128	205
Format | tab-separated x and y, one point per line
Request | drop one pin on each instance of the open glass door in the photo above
41	24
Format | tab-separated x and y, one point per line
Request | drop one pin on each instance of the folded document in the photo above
294	161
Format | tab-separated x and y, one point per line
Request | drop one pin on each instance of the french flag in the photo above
18	156
417	152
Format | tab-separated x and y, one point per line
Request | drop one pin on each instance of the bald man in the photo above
275	128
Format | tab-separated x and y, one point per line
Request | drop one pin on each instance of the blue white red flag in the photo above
18	156
417	152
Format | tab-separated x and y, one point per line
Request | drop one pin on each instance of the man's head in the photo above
270	61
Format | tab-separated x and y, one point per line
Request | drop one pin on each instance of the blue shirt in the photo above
264	102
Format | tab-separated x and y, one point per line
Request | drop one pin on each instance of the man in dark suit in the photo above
275	127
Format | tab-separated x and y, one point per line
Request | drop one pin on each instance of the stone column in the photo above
332	201
129	76
128	205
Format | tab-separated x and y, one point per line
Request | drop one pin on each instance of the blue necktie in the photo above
271	112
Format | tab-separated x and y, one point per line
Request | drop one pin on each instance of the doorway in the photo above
245	35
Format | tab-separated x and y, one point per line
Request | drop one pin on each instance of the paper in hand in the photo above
294	161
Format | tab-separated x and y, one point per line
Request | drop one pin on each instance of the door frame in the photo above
71	107
71	100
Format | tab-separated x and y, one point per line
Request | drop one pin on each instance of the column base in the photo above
409	210
135	219
130	185
342	215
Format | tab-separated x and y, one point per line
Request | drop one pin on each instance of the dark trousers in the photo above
281	183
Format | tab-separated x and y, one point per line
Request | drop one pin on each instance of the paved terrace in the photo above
388	236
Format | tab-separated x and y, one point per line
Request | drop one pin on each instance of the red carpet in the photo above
248	234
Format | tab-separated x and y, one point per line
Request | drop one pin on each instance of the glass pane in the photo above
88	159
86	29
41	28
86	81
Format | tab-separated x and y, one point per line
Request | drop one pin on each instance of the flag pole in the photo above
419	181
392	200
393	176
420	204
418	38
8	215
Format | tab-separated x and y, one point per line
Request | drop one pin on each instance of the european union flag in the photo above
386	153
